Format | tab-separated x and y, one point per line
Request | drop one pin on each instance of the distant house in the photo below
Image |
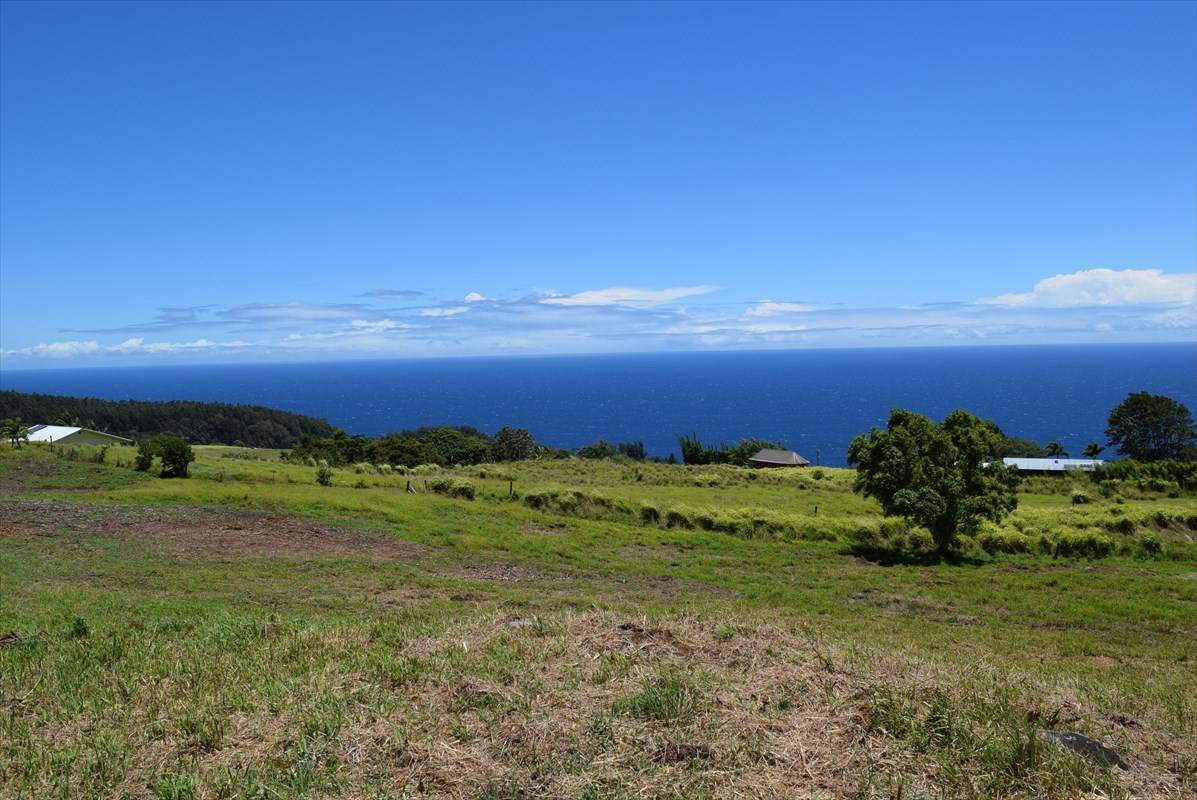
65	434
778	458
1057	465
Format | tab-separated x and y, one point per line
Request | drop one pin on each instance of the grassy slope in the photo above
214	674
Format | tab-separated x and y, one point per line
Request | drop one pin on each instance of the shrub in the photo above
1083	545
145	456
324	476
176	456
650	515
1079	498
1108	488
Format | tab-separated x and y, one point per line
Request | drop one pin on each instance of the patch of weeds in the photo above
201	732
79	629
400	670
461	733
666	698
175	787
600	731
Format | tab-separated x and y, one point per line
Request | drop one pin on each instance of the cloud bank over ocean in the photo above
1095	305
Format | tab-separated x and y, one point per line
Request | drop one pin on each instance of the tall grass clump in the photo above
453	487
1082	544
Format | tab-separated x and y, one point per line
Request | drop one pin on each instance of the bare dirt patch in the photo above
545	529
923	607
200	532
498	572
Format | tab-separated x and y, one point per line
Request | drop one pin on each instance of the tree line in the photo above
196	422
443	445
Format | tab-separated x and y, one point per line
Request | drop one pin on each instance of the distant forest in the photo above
198	423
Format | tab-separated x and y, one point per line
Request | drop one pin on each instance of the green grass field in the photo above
577	629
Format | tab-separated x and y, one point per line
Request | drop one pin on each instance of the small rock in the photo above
521	623
1083	745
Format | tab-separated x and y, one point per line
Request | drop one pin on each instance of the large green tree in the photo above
1151	427
514	444
936	476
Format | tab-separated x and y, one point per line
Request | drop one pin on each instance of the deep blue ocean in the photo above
813	401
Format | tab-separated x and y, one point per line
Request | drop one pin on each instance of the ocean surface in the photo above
813	401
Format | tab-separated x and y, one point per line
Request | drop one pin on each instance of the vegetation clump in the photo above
453	487
174	454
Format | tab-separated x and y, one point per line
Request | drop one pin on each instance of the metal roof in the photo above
56	433
50	433
1053	464
784	457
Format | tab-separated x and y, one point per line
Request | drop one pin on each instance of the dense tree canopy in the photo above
198	423
1151	427
935	475
429	445
1017	447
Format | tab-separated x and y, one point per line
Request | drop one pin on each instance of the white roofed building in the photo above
1053	464
66	434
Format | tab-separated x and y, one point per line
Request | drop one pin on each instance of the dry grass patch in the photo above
202	533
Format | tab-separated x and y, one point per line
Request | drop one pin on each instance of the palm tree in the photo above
1092	450
15	431
1054	450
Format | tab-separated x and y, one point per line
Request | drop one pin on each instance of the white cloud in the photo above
475	297
623	296
769	308
138	345
57	349
374	326
1105	287
133	345
444	312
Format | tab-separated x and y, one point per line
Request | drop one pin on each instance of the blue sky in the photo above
193	182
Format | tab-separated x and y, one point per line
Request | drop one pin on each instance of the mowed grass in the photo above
248	633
